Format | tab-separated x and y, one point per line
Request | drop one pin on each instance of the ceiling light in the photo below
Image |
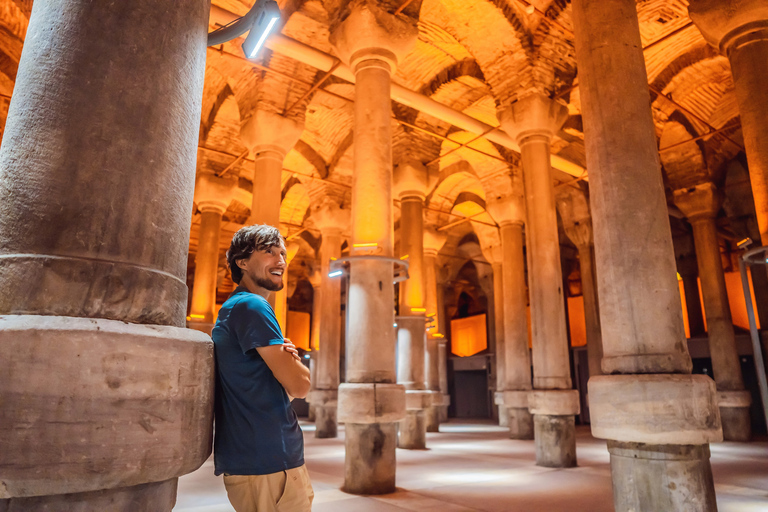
266	20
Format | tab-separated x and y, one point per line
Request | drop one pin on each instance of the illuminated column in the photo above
509	213
212	196
371	40
410	185
689	273
701	205
332	222
577	222
740	31
315	280
106	397
281	297
433	242
442	352
657	417
532	121
496	258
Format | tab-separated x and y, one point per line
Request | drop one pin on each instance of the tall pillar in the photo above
657	417
533	121
701	204
509	213
410	185
316	280
739	29
685	257
107	398
370	41
577	222
496	257
332	221
269	137
212	196
433	242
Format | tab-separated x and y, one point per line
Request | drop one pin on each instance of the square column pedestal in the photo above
658	428
554	426
370	412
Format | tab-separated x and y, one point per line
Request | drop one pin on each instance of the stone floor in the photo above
473	466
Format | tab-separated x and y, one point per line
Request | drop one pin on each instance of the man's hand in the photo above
289	347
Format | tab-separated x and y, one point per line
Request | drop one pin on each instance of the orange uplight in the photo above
468	335
405	257
298	328
418	310
360	246
196	316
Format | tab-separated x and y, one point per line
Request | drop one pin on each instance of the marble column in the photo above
212	196
496	257
433	242
107	398
371	41
577	222
688	269
533	121
509	213
316	281
657	417
332	221
701	204
269	136
739	29
410	185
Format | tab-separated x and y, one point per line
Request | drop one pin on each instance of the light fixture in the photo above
744	243
266	20
361	246
196	316
335	273
418	310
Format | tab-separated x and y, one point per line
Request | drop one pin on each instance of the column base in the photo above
433	418
156	496
311	413
443	413
370	458
649	478
412	431
503	416
555	441
737	423
520	423
326	426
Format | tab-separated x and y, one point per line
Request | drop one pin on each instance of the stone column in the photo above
739	29
315	280
212	196
701	205
370	41
657	417
107	398
532	121
496	258
577	222
433	242
332	221
410	185
509	213
689	272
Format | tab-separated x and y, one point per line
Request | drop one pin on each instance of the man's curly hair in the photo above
247	240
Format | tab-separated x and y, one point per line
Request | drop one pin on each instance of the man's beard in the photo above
269	284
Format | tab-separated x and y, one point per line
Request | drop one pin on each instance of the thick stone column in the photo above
701	205
442	357
496	257
107	398
739	29
315	280
657	417
433	242
332	221
532	121
212	196
577	222
410	185
371	403
509	213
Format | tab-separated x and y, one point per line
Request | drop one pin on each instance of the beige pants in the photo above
284	491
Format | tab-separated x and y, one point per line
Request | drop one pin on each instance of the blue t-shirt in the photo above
256	432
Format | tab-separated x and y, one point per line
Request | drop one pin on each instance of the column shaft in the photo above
640	313
591	309
498	318
267	192
206	268
432	362
96	185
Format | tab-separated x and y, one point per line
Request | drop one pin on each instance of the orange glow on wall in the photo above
298	329
577	323
468	335
684	305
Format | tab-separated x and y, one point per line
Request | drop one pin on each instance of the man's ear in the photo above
241	263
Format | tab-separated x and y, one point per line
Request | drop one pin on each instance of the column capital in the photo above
410	179
507	210
330	218
700	202
213	193
725	24
316	277
267	132
433	241
573	205
369	33
533	115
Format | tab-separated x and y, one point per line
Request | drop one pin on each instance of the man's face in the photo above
265	268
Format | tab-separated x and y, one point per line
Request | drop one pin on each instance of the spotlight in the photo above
745	243
335	273
266	19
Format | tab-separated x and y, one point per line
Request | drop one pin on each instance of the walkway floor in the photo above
472	466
